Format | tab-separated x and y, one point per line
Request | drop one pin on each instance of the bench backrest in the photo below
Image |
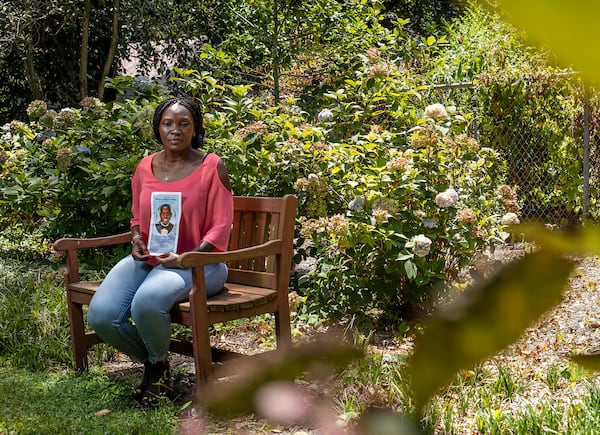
257	220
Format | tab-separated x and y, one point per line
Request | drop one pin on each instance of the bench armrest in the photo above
194	259
69	243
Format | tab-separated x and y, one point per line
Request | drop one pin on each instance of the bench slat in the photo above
235	297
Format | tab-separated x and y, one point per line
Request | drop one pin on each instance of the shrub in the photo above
390	210
407	215
68	173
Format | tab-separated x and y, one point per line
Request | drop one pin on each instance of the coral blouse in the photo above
207	205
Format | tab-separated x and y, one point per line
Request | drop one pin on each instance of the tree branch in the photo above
83	58
112	49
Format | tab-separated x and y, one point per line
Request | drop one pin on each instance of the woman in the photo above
131	308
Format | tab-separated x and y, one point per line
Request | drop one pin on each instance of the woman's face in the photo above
176	127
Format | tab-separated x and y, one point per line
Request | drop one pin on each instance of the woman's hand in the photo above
139	251
170	260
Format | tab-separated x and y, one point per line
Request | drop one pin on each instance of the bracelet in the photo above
137	236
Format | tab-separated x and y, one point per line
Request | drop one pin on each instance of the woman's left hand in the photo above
170	260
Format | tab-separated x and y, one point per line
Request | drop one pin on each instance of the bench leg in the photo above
78	336
202	354
283	329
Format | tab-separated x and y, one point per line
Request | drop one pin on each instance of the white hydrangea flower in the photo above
421	245
510	219
430	223
419	214
436	111
357	203
447	198
452	193
325	115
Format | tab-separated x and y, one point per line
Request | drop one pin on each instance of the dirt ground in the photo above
573	326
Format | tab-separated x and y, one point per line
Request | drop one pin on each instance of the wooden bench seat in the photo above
233	297
259	260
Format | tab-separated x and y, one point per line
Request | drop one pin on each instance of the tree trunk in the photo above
275	52
33	79
83	58
112	49
34	82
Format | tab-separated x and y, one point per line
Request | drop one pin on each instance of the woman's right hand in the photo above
139	251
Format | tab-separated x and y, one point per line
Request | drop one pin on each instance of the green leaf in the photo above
109	190
411	269
587	361
580	240
568	30
485	319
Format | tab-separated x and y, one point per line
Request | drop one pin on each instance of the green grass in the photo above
34	328
67	403
490	399
500	400
41	394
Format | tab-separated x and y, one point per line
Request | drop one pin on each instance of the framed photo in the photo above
164	224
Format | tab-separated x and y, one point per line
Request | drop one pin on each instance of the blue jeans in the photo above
135	291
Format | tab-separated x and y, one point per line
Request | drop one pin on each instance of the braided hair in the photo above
190	105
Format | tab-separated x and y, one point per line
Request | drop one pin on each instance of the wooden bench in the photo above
259	259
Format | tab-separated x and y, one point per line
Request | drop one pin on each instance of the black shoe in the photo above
141	389
159	384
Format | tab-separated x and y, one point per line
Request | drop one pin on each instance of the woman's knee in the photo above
101	316
149	304
144	306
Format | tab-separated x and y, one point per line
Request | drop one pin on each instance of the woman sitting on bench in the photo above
131	308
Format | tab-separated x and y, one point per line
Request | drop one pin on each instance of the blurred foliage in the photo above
566	31
479	323
484	321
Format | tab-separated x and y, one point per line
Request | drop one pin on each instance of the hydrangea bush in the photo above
405	214
68	172
394	197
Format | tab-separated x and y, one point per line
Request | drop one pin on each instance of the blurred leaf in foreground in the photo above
485	319
587	361
386	422
237	395
568	29
579	240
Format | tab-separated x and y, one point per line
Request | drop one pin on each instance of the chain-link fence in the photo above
547	130
591	156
